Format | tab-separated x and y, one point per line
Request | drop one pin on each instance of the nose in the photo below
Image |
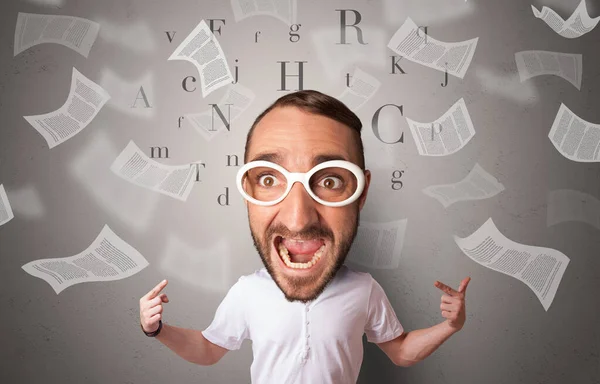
298	210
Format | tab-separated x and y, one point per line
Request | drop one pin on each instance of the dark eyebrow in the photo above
323	158
273	157
277	158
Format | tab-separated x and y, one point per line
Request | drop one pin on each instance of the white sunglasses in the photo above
349	176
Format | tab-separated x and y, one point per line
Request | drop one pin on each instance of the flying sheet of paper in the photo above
133	97
570	205
284	10
90	168
507	86
135	36
134	166
412	43
73	32
209	123
477	185
575	26
207	269
537	63
378	245
446	135
6	213
26	202
430	12
540	268
202	49
362	88
85	100
575	138
337	58
108	258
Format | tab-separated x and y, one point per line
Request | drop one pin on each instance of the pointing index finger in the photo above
156	290
446	288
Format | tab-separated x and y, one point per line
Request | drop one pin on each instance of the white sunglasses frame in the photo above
303	178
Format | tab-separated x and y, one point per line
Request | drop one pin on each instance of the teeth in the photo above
284	253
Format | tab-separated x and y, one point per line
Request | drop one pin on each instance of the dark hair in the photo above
320	104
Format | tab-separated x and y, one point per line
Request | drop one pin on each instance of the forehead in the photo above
300	137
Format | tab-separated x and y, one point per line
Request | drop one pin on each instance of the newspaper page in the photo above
204	268
73	32
378	245
541	269
537	63
477	185
134	166
362	88
202	49
85	100
210	123
6	213
575	26
90	169
575	138
284	10
131	97
446	135
570	205
108	258
411	42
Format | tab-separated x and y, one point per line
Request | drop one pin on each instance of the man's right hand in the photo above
151	307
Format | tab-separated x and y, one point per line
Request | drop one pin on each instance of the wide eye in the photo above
267	180
331	182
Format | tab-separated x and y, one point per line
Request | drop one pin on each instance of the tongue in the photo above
301	251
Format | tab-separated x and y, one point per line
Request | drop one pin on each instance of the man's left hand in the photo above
453	303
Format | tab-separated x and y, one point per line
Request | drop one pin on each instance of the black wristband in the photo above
155	333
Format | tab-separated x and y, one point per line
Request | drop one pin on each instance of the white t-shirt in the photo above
297	343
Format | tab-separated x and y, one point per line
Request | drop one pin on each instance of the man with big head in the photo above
304	183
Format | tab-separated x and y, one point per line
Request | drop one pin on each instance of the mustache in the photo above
306	233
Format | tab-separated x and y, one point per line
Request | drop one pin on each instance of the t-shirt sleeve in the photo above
382	323
229	327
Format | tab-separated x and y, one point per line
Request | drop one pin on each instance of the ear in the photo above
363	197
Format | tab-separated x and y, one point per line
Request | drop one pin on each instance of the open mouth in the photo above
299	254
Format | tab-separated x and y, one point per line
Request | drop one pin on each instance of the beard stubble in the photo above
335	258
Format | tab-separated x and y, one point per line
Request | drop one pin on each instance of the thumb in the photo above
463	285
164	298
